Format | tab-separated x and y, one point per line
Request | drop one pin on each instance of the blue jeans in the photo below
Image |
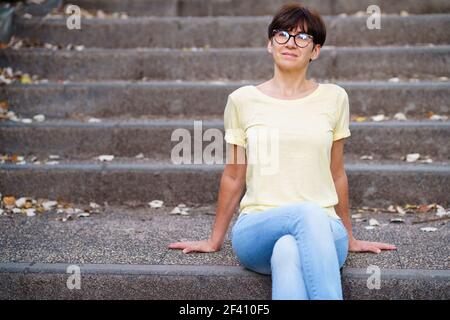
301	246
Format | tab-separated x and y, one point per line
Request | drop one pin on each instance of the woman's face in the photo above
289	55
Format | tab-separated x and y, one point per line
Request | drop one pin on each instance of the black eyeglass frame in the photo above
311	38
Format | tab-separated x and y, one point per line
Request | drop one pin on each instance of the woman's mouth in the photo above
289	54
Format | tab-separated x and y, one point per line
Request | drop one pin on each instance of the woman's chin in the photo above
288	65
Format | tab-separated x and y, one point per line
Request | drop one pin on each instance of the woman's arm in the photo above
232	184
342	208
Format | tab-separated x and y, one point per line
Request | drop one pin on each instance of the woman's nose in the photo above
291	42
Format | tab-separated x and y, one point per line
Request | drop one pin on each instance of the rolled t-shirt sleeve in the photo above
234	132
341	129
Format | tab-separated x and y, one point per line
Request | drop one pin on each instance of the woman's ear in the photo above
269	46
316	50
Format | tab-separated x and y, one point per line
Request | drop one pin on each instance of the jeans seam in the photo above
306	262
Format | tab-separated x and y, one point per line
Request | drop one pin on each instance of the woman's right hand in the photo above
195	246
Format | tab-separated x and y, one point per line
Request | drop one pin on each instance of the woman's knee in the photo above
308	213
285	251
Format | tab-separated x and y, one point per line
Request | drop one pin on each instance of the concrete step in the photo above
392	138
255	7
176	32
375	183
169	98
123	253
344	63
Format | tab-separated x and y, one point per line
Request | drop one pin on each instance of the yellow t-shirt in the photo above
288	145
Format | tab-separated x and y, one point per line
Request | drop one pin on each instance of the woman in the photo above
294	217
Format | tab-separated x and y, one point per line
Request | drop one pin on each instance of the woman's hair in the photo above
291	15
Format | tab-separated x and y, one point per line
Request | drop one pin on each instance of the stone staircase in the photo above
171	63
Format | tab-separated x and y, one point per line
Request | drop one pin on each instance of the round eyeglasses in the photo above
301	39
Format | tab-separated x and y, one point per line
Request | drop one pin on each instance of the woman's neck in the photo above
290	84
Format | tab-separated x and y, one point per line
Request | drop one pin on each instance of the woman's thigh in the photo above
254	235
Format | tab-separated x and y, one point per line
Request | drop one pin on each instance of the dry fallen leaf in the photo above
360	119
400	210
441	212
105	157
9	201
423	208
25	79
156	203
4	106
438	117
39	117
48	205
378	117
412	157
175	210
30	212
400	116
94	205
83	214
428	229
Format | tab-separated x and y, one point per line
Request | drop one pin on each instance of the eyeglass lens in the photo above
301	39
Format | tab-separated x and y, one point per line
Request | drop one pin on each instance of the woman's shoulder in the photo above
242	92
334	89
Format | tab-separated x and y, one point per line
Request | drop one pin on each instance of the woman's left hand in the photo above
367	246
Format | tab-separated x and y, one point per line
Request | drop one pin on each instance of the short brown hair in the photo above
291	15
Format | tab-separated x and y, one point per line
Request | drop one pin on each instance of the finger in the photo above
385	246
177	245
373	249
188	249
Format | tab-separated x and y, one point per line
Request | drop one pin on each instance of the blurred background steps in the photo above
177	32
382	183
390	139
335	63
111	99
256	7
